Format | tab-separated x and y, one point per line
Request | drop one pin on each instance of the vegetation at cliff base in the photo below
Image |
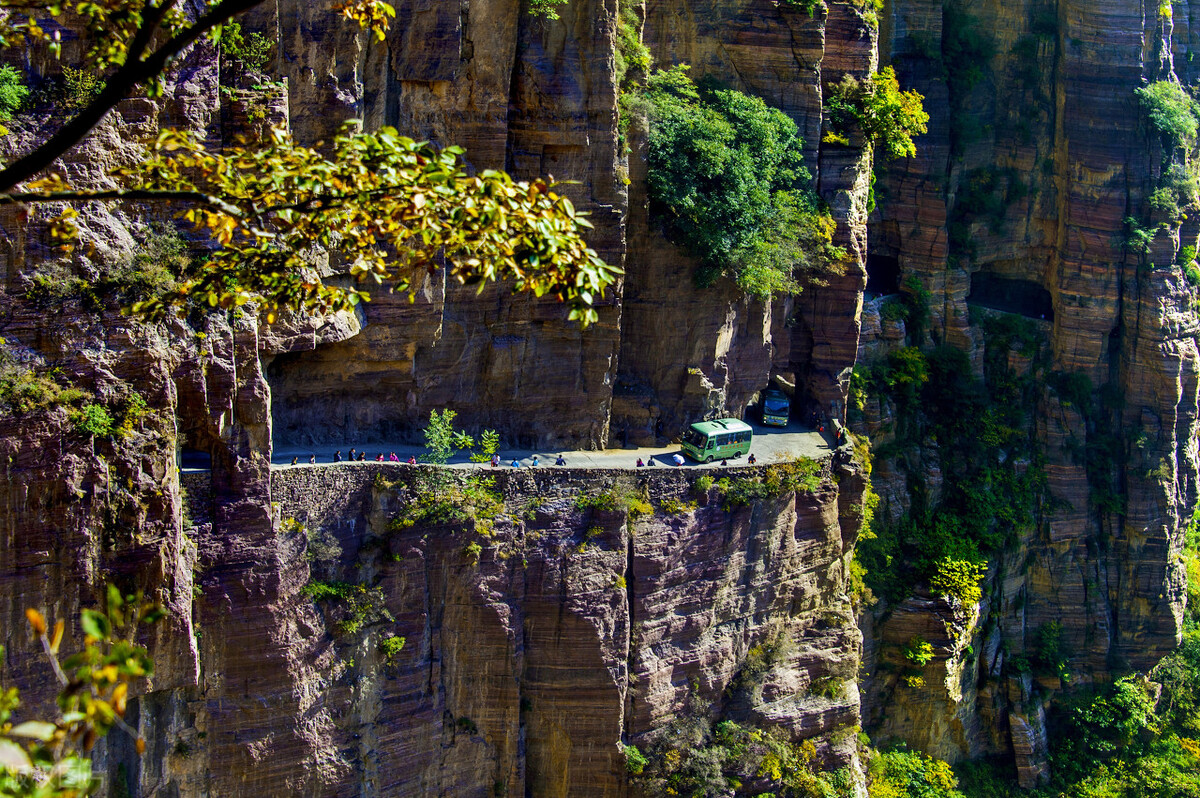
726	177
1137	737
1134	738
901	773
695	756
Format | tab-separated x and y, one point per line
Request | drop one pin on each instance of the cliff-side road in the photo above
771	445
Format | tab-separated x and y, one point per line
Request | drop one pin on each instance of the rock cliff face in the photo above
1037	154
567	631
539	97
520	93
576	630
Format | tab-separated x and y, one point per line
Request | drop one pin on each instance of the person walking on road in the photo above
337	456
678	458
561	460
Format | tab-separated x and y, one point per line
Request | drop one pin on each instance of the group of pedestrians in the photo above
356	456
677	459
534	461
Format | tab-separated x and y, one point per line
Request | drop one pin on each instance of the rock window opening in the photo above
194	459
1011	296
883	275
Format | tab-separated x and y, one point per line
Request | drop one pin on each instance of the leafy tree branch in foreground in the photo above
385	206
48	758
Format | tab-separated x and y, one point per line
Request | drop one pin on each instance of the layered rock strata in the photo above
539	97
1028	174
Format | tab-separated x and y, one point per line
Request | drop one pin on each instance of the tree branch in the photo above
130	195
132	73
151	17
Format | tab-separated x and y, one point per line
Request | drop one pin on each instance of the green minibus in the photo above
706	441
775	408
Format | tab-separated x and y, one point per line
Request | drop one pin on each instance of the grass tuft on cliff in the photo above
802	475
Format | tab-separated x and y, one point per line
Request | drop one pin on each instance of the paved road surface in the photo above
771	444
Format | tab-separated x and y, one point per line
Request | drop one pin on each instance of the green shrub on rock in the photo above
726	175
1171	111
958	579
13	93
918	651
635	760
93	419
888	117
911	774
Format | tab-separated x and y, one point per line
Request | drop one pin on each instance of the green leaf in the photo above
37	729
14	758
115	603
95	624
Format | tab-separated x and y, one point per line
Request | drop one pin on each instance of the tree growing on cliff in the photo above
726	175
441	438
888	117
1171	111
389	208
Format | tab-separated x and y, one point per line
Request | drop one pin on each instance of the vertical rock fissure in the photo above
630	655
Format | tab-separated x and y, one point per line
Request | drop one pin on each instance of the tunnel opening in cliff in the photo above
1011	296
883	274
308	408
193	459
